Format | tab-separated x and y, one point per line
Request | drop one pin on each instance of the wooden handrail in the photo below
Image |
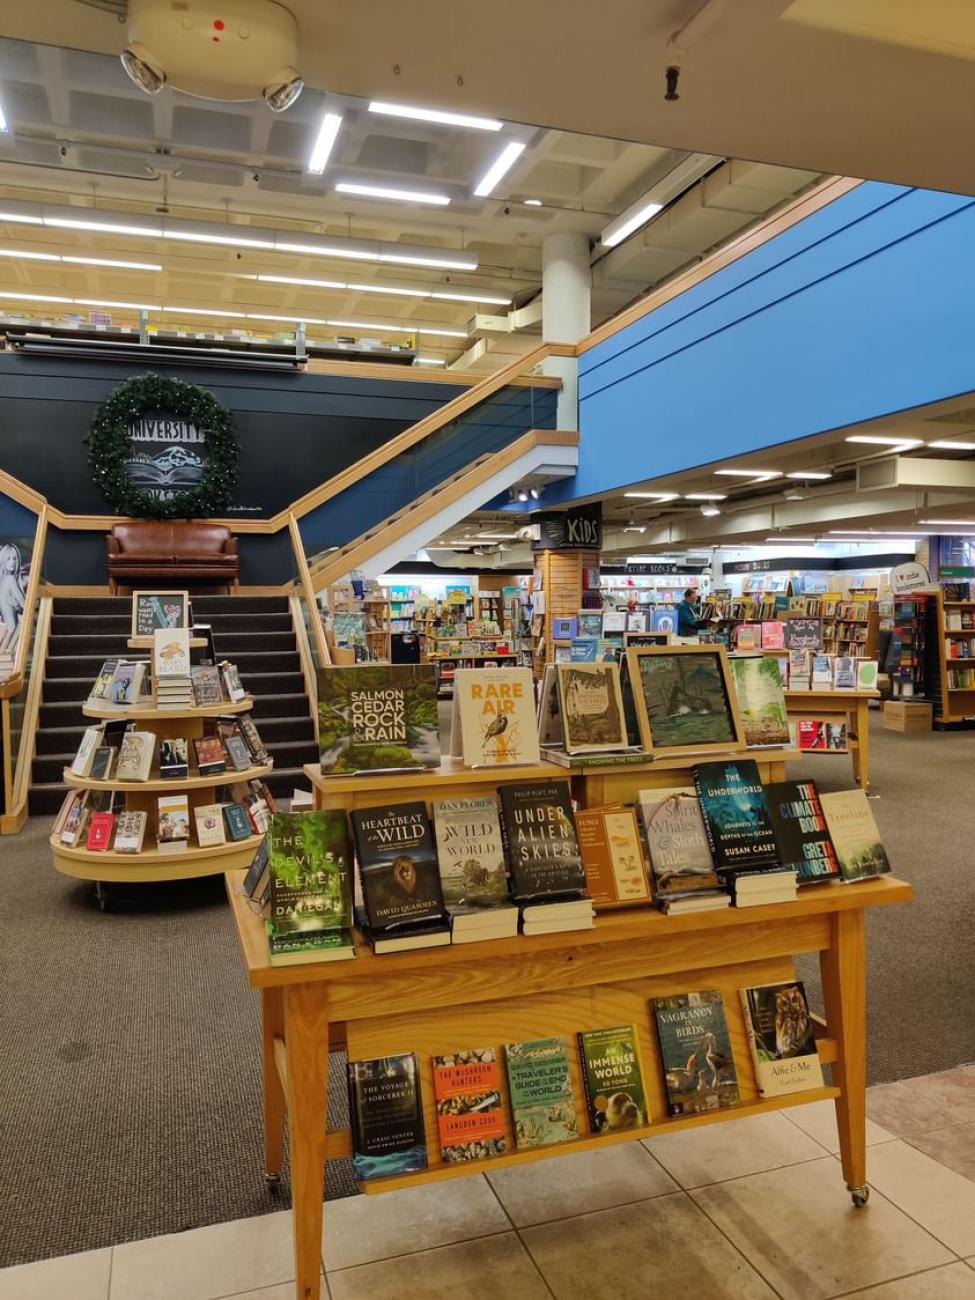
17	778
305	656
308	591
30	597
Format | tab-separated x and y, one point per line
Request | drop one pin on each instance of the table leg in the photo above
863	744
272	1023
306	1039
843	966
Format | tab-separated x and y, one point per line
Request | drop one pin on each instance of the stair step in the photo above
87	666
93	643
63	741
120	624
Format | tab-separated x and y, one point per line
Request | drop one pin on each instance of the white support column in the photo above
566	291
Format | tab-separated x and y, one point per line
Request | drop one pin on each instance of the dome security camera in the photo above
143	68
282	90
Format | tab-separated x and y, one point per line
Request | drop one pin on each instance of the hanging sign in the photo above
578	529
905	578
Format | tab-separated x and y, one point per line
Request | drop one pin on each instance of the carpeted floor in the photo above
130	1071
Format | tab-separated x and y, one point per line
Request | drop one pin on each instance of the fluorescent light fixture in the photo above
36	297
405	328
379	288
3	121
635	528
532	203
953	523
103	227
627	222
21	219
945	444
111	261
311	284
446	334
750	473
654	496
710	511
230	241
205	311
31	257
775	541
452	263
505	160
324	142
429	361
289	320
122	306
435	115
877	441
705	496
316	250
808	474
500	537
400	196
471	296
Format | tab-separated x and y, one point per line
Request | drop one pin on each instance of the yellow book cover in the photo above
209	825
494	713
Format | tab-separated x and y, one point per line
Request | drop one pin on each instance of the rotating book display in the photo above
142	803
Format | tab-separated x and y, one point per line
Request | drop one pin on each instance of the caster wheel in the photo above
103	896
860	1196
272	1182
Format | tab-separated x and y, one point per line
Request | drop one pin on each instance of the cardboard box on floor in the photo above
907	715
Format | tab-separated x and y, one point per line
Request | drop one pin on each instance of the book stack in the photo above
309	884
764	887
473	876
684	878
171	664
740	832
546	875
402	896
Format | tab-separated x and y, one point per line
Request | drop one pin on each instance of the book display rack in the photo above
845	708
445	1001
152	863
951	675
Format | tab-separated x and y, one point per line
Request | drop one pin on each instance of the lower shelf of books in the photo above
150	864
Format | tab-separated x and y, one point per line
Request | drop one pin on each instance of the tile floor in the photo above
748	1210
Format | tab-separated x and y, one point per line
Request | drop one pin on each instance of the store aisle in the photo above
745	1211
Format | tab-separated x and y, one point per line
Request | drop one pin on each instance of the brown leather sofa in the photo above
175	551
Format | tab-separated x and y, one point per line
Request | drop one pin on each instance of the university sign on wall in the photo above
166	455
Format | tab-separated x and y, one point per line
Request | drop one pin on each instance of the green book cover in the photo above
309	859
541	1092
378	717
761	700
615	1095
695	1050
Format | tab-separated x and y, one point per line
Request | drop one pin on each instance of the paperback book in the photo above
173	827
615	1095
378	717
470	1116
540	1088
103	682
799	670
232	684
470	852
102	763
680	854
252	738
207	687
209	825
211	757
695	1050
397	866
493	717
387	1117
100	832
609	843
854	834
781	1039
800	828
591	707
83	759
126	681
130	832
540	841
238	827
235	748
174	759
736	815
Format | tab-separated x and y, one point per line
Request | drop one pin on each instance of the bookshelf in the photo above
153	864
448	999
951	625
561	576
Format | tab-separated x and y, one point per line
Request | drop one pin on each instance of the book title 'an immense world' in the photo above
611	1066
378	716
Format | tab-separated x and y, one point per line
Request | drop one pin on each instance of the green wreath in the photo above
109	450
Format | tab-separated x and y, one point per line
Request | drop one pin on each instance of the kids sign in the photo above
580	529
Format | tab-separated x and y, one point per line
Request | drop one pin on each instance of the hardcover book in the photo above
211	757
844	673
209	825
614	620
377	717
397	865
812	734
170	654
822	672
663	618
780	1036
82	761
207	687
695	1050
387	1117
591	707
231	682
298	943
254	743
470	852
126	680
590	623
564	629
854	834
540	1087
798	670
609	842
130	832
761	700
100	832
135	756
540	840
238	827
615	1095
800	828
680	853
736	815
866	674
470	1116
174	758
236	750
493	718
173	827
103	682
310	867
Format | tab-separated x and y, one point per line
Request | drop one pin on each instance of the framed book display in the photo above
685	699
152	610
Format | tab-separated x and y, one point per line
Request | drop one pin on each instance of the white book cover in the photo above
135	756
170	653
798	670
90	741
844	673
493	717
614	620
130	832
822	672
209	825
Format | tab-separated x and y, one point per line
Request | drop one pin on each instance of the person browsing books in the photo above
688	623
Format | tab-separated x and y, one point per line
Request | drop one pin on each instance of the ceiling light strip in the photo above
397	195
324	143
504	162
444	118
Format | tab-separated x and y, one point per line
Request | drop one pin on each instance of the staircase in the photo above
255	632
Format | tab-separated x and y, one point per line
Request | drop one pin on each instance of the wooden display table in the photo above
850	707
490	993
